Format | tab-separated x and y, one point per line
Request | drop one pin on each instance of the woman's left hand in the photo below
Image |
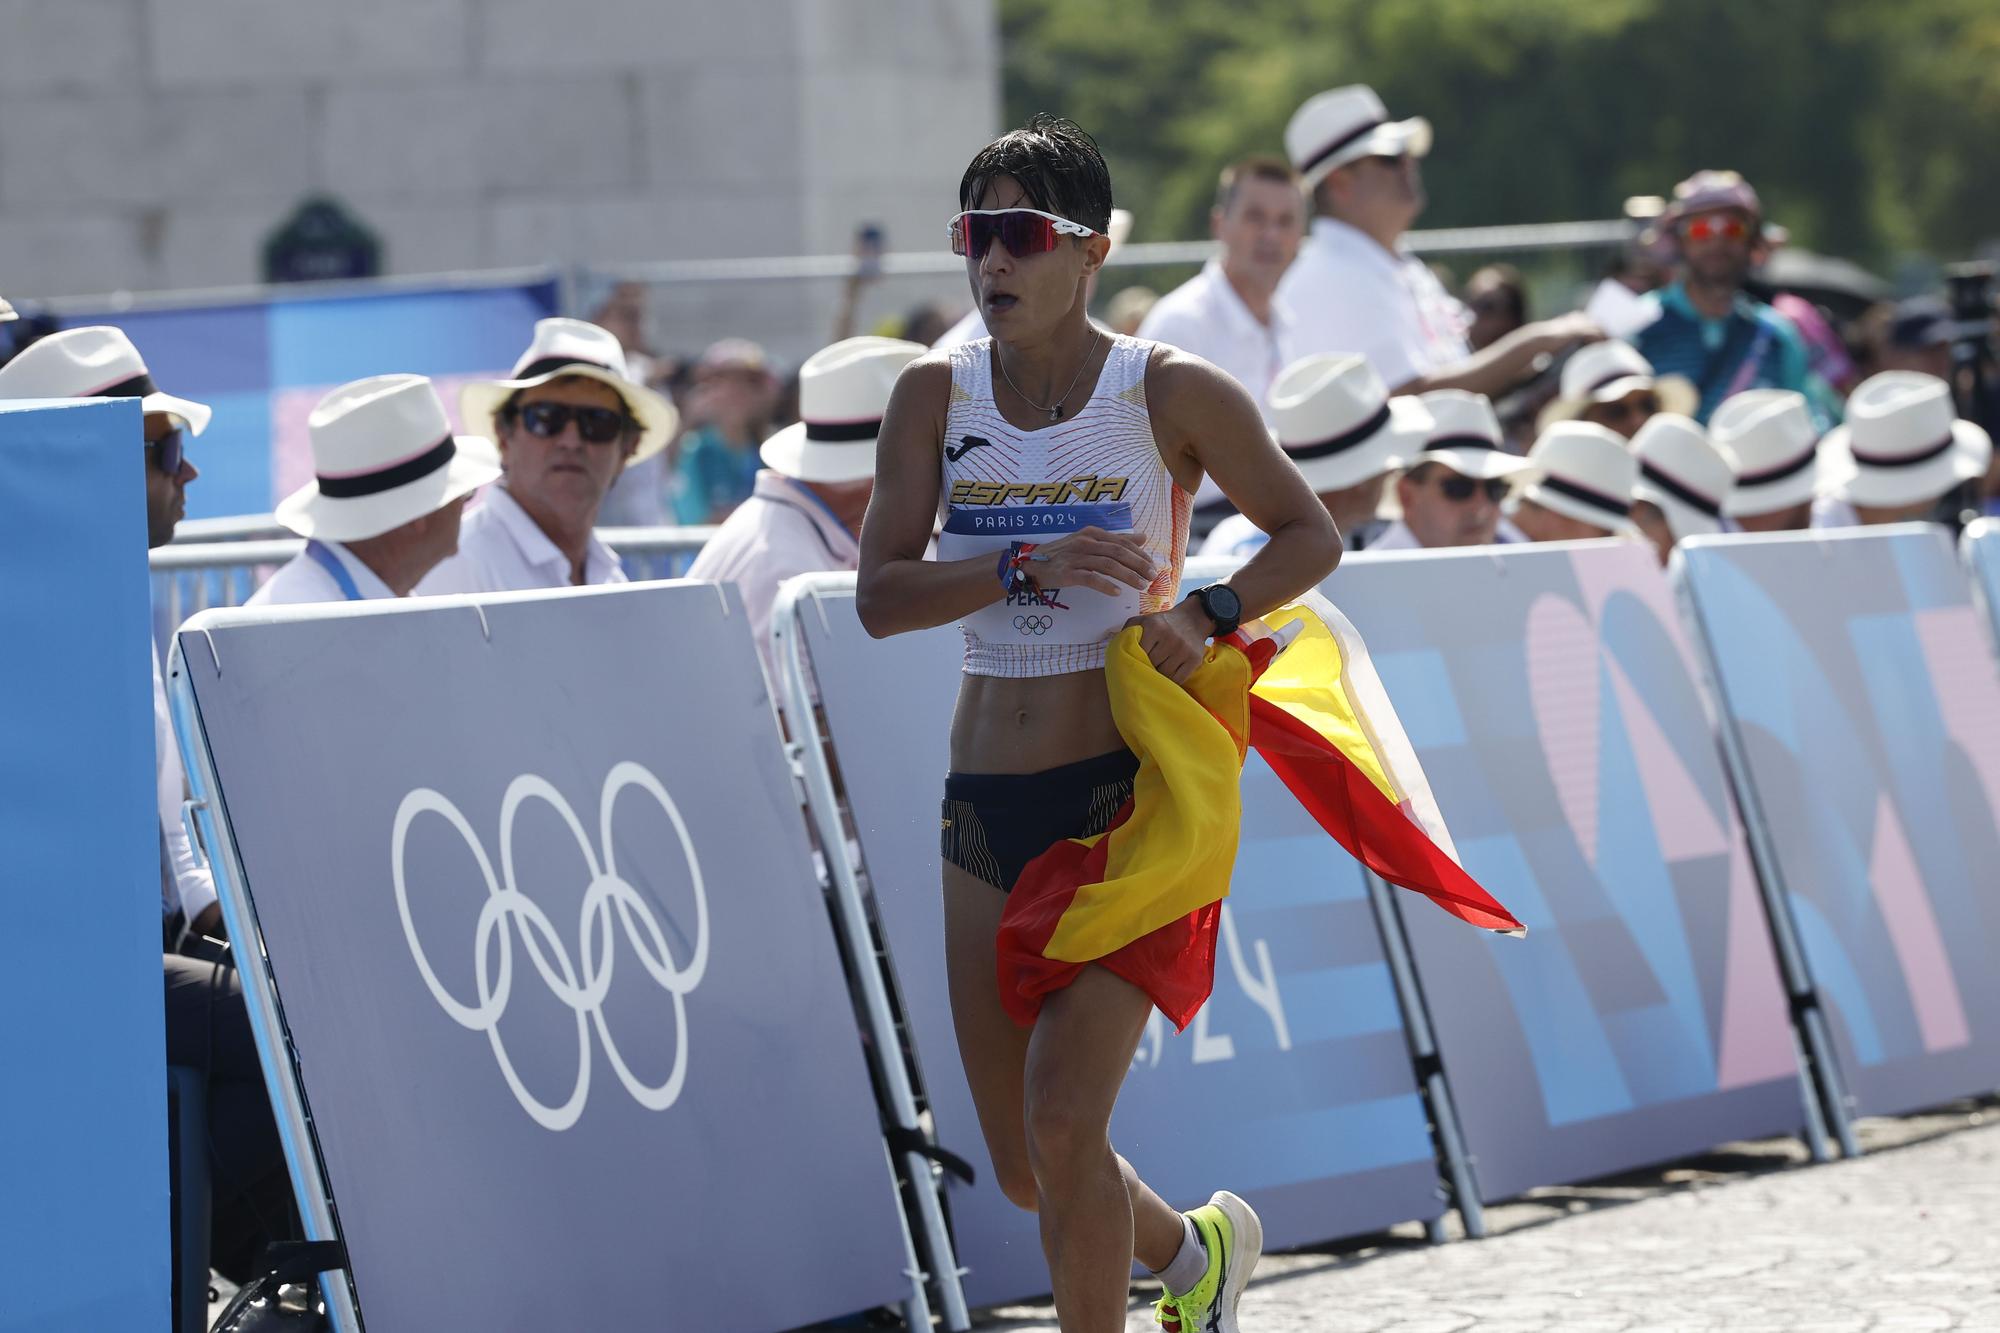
1175	641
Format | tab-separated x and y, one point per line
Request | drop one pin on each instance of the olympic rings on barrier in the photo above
1035	625
580	984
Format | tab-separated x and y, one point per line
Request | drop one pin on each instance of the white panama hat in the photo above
1902	443
1603	372
1683	473
1585	472
1465	435
1334	418
383	456
1772	446
1345	125
843	391
564	347
96	361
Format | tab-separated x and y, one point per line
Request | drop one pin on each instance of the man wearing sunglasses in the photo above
1452	493
568	421
1356	289
1709	330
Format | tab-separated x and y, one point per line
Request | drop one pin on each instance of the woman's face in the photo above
1025	295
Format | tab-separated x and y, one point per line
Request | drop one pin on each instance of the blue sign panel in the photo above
1552	699
569	1014
1293	1087
1867	726
84	1235
262	365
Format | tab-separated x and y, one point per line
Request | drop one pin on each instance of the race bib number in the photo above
1052	615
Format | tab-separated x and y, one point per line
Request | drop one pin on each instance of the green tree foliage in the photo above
1871	127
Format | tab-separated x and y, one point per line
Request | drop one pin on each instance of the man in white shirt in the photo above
1451	495
1899	454
568	422
1356	289
1228	314
390	482
805	513
1337	423
1578	486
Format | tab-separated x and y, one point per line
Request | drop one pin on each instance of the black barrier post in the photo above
1430	1068
807	752
1823	1094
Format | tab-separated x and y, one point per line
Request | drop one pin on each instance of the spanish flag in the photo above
1144	899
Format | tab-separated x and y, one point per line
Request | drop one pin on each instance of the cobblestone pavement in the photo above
1750	1237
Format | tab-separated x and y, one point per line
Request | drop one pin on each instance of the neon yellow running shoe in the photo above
1234	1239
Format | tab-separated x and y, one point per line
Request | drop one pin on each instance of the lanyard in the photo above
330	562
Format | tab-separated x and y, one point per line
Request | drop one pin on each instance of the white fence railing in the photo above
225	569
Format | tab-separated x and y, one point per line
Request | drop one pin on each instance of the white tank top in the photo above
1099	467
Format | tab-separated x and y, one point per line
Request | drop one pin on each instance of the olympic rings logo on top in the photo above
1035	625
580	984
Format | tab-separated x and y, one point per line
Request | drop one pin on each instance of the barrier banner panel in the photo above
84	1232
1552	699
263	364
1981	546
1864	708
1293	1087
539	905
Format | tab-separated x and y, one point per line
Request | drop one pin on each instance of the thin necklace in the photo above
1053	409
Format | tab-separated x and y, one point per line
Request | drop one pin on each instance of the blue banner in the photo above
84	1239
262	365
1293	1087
1867	726
1552	698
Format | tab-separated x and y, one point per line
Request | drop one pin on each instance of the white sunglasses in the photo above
1023	231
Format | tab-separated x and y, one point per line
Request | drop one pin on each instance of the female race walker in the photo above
1065	459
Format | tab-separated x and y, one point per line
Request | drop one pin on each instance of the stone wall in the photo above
153	144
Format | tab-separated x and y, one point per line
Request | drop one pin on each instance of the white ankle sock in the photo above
1189	1263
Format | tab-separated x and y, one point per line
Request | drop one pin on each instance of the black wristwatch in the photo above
1221	604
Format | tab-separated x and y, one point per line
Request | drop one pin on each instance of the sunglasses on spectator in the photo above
1020	231
1640	406
167	452
1459	489
1708	228
597	425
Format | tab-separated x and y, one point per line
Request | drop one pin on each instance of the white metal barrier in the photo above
237	557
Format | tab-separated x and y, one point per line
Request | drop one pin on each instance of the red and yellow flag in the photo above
1144	899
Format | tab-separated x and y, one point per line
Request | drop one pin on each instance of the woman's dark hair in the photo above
1057	164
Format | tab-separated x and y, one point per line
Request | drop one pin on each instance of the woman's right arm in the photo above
897	590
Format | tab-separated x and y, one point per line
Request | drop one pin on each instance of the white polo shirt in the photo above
304	579
1204	315
1830	511
501	549
783	529
1349	295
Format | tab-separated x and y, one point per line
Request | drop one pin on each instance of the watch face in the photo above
1223	602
